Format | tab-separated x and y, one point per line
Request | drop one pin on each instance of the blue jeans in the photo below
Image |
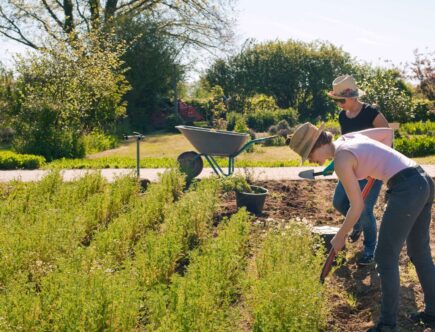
406	218
367	221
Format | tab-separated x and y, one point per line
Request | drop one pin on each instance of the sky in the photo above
370	30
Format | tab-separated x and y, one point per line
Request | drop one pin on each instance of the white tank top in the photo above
374	158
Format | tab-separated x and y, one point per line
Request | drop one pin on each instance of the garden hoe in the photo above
329	261
310	174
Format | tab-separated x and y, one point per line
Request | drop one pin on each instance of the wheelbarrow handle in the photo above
262	139
331	256
251	142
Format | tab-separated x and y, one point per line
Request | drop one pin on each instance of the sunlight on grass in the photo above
172	145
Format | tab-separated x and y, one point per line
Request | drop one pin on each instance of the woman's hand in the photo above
338	242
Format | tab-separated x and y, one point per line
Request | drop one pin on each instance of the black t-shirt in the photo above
364	119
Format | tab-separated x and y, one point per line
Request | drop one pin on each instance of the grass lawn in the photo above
171	145
164	145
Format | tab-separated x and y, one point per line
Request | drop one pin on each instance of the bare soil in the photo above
354	292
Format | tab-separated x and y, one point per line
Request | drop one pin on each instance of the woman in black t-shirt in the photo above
356	116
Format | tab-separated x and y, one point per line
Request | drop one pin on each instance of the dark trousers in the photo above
406	218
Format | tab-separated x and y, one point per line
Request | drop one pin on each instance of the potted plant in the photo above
250	196
253	199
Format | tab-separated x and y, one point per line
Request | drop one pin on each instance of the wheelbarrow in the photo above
212	143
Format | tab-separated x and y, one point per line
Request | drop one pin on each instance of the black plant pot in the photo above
253	201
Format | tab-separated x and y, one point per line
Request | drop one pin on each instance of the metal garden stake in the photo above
138	137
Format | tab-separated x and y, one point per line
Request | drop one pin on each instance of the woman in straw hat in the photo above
407	217
356	116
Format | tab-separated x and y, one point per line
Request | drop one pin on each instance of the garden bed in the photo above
354	293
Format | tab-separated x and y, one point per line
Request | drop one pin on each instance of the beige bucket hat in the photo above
345	87
304	138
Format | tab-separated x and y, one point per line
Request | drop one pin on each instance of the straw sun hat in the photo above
345	87
304	138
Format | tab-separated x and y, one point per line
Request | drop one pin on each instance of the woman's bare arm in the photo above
345	162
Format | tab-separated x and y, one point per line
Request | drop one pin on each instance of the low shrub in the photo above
333	127
416	146
203	300
282	291
12	160
418	128
97	141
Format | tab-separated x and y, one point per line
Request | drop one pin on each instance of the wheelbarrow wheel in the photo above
190	163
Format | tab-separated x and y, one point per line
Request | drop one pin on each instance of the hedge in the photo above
12	160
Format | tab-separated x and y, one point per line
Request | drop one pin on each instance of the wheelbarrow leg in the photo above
217	169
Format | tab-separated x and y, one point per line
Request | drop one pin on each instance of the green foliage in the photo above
6	86
283	291
241	126
232	119
111	162
424	109
97	141
172	120
203	299
333	127
235	183
261	121
216	105
386	88
56	279
149	57
295	74
12	160
261	103
418	128
65	91
118	162
416	146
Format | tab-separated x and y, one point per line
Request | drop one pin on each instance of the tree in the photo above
295	74
422	70
64	92
387	89
149	58
200	23
6	85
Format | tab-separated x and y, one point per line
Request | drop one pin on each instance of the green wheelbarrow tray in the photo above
210	143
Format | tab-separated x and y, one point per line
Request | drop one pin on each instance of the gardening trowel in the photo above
331	256
310	174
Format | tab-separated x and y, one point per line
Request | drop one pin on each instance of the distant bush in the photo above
333	127
12	160
171	121
98	141
260	121
424	110
416	146
232	118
